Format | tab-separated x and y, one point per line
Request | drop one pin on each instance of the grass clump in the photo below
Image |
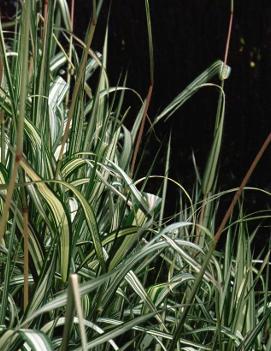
88	260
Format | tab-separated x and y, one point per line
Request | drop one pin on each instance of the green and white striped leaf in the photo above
119	330
60	218
35	340
205	77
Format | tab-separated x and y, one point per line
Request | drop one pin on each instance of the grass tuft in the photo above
88	258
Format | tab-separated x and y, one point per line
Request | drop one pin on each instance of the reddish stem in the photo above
140	133
241	188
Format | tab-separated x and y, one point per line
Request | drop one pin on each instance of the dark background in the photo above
188	36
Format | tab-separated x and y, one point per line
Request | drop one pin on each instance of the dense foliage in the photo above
88	259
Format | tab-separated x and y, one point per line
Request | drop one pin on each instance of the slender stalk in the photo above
1	70
70	66
226	54
229	33
20	120
26	257
149	95
45	15
68	317
40	106
79	311
165	184
25	215
241	188
4	67
140	133
3	144
78	82
7	272
74	303
2	119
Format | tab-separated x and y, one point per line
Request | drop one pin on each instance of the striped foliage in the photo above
88	258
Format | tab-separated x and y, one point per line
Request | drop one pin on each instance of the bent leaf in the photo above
59	215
